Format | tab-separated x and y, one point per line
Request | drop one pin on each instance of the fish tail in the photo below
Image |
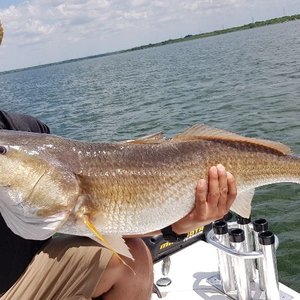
87	221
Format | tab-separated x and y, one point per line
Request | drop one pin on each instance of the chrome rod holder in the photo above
242	280
245	225
220	230
267	241
259	225
265	244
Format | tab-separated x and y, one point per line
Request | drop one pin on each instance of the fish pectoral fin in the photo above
242	203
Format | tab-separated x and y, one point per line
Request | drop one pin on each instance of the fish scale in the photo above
131	187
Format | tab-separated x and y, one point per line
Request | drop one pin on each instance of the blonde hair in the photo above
1	32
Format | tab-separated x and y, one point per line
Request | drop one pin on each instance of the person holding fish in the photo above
73	267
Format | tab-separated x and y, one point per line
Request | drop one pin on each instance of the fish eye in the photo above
3	150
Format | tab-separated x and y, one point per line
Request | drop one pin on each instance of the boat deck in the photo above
194	275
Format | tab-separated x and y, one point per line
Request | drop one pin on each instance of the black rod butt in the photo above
220	227
242	221
266	238
236	235
260	225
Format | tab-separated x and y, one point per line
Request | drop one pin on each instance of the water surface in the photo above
247	82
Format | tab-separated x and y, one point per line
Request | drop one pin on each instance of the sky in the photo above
45	31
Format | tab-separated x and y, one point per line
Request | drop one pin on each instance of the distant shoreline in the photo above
188	37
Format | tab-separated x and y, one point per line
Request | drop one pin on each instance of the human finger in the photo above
232	190
223	187
213	187
201	196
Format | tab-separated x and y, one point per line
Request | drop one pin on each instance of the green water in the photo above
247	82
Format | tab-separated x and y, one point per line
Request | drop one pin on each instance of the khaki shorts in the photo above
67	268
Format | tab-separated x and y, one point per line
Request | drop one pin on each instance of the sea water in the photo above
247	82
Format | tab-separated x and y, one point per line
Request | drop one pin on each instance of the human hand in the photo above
214	198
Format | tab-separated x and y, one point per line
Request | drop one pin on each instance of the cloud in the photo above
62	29
40	20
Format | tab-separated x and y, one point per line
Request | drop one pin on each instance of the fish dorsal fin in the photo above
202	131
148	139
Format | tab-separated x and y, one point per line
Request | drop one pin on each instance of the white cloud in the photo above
62	29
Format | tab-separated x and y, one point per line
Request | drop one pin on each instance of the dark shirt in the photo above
15	252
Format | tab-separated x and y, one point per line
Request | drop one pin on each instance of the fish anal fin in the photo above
116	244
202	131
242	203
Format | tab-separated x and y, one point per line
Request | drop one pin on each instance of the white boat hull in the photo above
192	271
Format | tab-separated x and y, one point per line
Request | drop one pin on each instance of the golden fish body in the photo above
129	187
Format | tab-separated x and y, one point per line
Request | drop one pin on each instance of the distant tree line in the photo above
222	31
172	41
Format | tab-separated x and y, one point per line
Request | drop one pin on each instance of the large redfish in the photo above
50	184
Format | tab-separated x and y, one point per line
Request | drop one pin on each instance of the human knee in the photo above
135	276
142	280
142	264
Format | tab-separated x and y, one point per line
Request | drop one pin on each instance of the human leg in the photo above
77	268
119	282
68	267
